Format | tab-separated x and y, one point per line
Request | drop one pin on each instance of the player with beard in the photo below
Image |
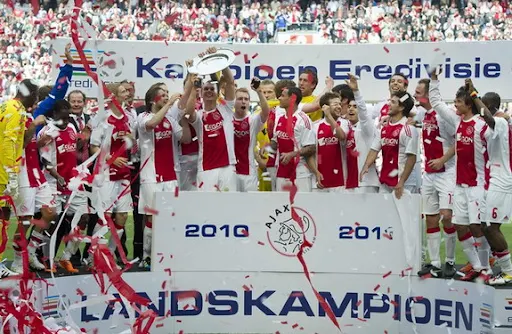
215	132
330	132
293	152
358	142
471	158
438	183
310	104
57	144
498	200
398	82
398	142
246	129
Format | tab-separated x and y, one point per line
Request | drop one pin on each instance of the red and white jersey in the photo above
437	136
380	110
60	153
304	135
159	147
328	153
472	135
396	140
246	131
500	156
111	136
271	122
215	132
358	143
30	172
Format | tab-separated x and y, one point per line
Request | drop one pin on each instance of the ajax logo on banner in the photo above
286	235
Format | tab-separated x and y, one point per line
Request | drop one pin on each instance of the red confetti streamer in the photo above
150	211
248	31
168	270
295	325
284	322
247	276
261	243
386	274
79	292
163	285
246	288
377	287
268	69
357	224
386	49
255	55
359	303
363	320
169	19
246	58
176	191
237	53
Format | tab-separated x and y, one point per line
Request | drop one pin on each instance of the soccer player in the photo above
159	136
498	200
293	152
12	130
330	132
359	140
310	104
57	144
116	139
398	142
471	158
215	132
34	193
274	113
246	129
438	183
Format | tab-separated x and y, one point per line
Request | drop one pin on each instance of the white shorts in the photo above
329	190
303	184
245	183
77	204
147	194
218	179
498	207
111	199
437	191
385	189
188	172
31	199
363	190
467	205
272	172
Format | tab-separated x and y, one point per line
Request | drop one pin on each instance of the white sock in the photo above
147	238
503	260
433	245
71	248
111	243
484	251
468	246
450	239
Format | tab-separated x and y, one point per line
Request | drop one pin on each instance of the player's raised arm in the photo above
265	110
437	102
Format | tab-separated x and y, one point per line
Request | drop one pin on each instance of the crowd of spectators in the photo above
24	36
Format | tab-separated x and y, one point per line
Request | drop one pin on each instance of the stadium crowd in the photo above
24	49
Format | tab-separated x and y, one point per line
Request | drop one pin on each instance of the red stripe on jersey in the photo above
510	145
487	170
408	130
307	121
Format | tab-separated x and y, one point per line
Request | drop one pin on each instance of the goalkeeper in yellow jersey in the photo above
13	114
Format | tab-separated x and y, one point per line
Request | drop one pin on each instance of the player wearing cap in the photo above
398	142
438	183
293	151
498	200
471	172
215	133
246	129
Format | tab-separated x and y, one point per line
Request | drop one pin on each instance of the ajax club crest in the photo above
286	235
